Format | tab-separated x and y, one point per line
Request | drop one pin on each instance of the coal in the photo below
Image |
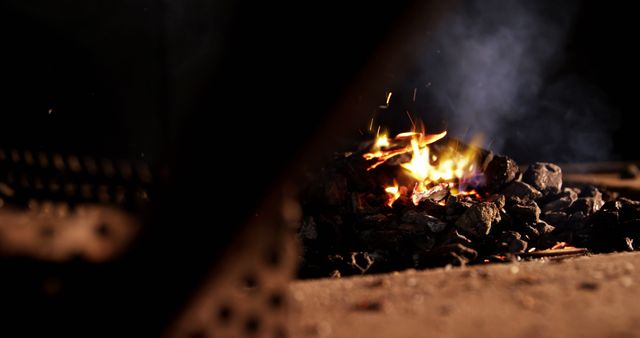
544	228
555	217
517	246
512	242
545	177
453	236
423	218
558	205
525	212
497	199
348	226
477	220
499	172
521	190
559	201
629	209
587	205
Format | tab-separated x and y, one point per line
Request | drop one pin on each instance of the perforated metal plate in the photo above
246	295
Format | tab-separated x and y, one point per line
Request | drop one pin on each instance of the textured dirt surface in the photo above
596	296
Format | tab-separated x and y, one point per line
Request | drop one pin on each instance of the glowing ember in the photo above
561	245
432	175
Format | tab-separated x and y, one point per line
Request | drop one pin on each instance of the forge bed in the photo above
590	296
584	296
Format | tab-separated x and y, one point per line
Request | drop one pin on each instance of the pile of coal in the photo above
348	229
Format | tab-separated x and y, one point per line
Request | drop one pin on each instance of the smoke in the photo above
492	69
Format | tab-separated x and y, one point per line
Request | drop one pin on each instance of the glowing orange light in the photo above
393	193
432	174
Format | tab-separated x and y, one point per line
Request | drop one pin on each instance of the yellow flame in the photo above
389	97
419	166
449	167
382	141
393	193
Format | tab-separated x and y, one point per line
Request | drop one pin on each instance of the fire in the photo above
393	193
383	150
449	172
382	141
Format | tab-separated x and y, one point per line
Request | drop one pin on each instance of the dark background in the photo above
226	95
133	78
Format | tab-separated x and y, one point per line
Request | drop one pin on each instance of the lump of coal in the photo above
517	246
336	190
629	209
453	236
587	205
561	201
477	220
544	228
556	218
500	171
423	218
498	200
456	207
376	221
364	203
521	190
526	212
546	177
558	205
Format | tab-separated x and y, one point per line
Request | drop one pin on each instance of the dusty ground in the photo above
597	296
